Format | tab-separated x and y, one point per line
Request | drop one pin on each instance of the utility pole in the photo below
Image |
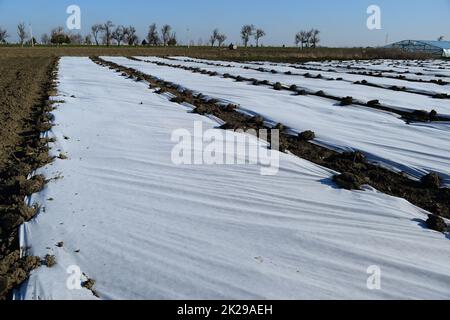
188	38
31	35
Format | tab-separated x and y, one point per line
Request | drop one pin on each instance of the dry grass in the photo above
248	54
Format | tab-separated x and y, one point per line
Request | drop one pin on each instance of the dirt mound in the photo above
436	223
431	181
346	101
278	86
307	136
14	270
348	181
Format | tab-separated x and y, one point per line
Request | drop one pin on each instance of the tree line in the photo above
307	39
109	34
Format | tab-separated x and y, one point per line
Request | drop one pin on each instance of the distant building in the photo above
438	48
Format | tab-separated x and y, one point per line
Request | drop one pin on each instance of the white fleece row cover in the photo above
396	99
416	149
143	227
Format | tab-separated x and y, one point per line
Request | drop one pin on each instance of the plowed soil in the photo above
25	85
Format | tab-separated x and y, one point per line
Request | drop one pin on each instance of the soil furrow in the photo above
25	87
365	69
407	116
362	73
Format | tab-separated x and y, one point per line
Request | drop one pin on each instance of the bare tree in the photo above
172	40
212	40
308	36
298	39
22	33
88	40
76	38
130	36
314	37
221	38
45	39
246	32
119	35
3	35
165	32
302	38
31	42
305	38
152	36
58	36
95	30
214	37
258	35
107	29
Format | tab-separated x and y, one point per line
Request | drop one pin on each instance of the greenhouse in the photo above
438	48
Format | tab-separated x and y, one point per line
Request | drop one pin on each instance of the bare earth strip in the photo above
25	84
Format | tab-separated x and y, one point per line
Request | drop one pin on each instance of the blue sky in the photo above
342	22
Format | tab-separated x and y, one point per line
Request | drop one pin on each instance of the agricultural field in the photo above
360	179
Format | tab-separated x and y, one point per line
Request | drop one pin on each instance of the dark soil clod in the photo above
278	86
3	285
230	107
373	103
346	101
433	114
88	284
348	181
29	186
50	260
436	223
320	93
306	136
258	120
431	181
177	100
